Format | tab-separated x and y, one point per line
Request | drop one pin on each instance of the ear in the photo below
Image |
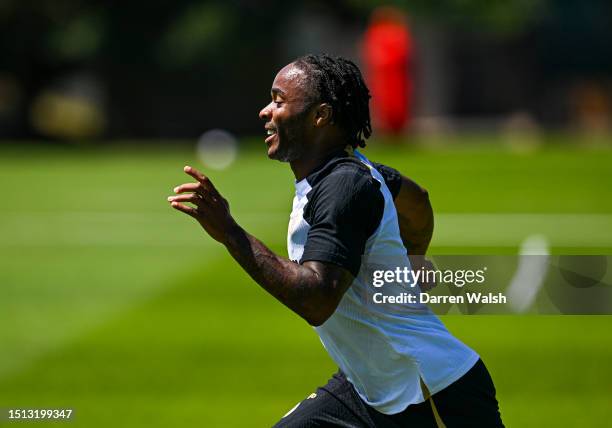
324	115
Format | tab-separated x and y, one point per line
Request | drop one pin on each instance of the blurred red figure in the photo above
387	53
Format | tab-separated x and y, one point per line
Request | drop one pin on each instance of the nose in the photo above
266	113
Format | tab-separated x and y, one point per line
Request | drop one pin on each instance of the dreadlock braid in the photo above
338	81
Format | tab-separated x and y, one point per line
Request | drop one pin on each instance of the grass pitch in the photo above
115	305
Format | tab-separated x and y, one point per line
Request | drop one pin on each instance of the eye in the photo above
278	103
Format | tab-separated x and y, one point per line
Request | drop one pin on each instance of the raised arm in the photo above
313	290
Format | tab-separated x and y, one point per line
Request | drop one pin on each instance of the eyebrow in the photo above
277	91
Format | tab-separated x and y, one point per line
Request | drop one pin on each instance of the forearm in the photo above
296	286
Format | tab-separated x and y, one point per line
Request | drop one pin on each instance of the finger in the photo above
188	187
204	180
194	198
184	208
194	173
193	188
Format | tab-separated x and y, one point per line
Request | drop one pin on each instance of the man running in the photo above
399	366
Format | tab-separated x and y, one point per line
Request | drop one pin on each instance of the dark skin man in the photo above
304	135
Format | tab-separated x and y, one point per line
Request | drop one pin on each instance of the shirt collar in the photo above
302	187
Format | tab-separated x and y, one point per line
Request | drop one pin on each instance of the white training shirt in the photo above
343	213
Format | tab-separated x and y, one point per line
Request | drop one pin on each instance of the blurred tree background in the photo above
107	69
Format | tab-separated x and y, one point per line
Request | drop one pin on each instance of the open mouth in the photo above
271	133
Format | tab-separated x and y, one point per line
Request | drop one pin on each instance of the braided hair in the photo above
338	82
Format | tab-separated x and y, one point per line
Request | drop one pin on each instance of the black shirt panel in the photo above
393	179
345	207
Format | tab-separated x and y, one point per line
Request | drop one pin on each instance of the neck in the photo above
304	166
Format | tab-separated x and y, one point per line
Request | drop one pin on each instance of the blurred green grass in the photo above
115	305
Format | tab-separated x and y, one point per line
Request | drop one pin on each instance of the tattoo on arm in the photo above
312	290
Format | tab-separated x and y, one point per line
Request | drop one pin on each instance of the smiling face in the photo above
288	116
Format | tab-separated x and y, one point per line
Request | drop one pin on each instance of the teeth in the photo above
270	132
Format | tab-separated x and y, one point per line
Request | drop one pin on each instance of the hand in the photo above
420	262
211	209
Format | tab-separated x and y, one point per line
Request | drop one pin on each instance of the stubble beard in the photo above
293	149
293	134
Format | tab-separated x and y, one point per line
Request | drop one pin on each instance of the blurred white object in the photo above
217	149
530	273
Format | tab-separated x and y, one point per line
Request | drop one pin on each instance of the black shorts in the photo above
468	402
